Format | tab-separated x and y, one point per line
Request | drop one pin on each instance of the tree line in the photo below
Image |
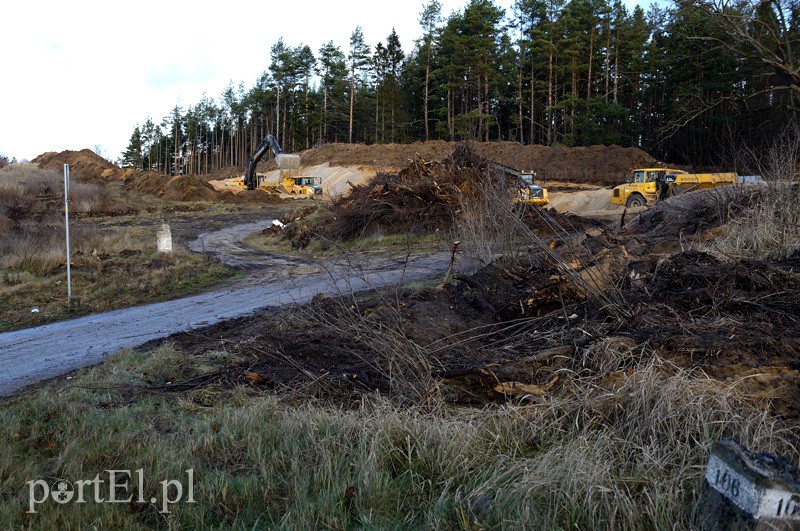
695	82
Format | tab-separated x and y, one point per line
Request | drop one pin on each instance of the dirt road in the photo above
36	354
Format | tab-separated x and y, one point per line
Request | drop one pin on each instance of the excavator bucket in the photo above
286	161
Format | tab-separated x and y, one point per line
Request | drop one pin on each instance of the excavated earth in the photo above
586	298
592	296
340	167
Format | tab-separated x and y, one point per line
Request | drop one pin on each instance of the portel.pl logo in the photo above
114	490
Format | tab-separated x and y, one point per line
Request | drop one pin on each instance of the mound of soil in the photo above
189	188
424	198
593	164
85	165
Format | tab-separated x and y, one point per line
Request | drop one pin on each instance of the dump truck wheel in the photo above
635	201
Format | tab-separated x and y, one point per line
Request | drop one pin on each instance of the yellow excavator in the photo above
645	186
289	183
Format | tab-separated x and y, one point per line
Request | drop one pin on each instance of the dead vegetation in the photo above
573	378
114	262
558	300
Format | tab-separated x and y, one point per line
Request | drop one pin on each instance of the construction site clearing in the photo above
583	289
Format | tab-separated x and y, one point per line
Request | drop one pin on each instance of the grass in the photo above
622	444
113	257
118	282
764	223
627	457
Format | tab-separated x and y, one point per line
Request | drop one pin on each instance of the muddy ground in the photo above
583	298
591	297
508	331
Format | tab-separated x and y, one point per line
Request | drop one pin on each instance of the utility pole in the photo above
66	224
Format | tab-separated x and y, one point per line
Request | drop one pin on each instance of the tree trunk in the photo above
616	65
519	105
531	135
589	76
550	99
486	105
324	125
352	98
426	97
608	57
277	107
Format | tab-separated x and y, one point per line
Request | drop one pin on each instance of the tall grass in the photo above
626	456
763	221
32	218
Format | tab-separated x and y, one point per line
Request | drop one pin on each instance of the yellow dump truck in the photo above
645	186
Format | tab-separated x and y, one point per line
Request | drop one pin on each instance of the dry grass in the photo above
763	221
113	265
626	456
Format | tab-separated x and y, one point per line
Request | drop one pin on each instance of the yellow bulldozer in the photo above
646	186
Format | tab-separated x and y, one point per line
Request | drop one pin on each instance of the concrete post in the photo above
164	239
746	490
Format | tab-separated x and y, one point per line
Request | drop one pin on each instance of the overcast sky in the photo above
83	73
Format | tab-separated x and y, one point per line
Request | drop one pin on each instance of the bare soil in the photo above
597	299
336	165
594	164
507	331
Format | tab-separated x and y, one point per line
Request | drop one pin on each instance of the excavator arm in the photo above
269	142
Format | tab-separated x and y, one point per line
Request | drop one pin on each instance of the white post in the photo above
66	224
164	239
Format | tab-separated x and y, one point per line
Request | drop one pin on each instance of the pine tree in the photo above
429	19
332	70
132	157
358	59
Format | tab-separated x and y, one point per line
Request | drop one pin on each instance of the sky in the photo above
84	73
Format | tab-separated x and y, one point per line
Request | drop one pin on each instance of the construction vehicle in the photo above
303	185
646	186
289	182
528	190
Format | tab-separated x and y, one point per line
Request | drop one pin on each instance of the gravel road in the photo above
36	354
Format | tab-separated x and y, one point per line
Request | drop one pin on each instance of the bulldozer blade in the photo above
286	161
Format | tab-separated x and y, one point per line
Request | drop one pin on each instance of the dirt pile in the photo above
84	165
189	188
519	331
424	198
87	166
593	164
